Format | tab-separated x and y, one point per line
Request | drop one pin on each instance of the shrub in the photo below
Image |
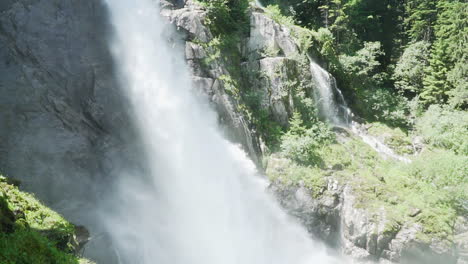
445	128
227	16
291	174
380	104
364	65
274	12
302	143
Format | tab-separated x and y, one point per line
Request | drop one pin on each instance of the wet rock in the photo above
189	20
365	236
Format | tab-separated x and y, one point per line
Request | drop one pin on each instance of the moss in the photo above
32	233
291	174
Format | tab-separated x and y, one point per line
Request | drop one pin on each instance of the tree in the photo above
420	18
409	71
447	73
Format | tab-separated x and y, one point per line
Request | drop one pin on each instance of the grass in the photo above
394	137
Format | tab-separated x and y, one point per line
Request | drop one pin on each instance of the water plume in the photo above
199	200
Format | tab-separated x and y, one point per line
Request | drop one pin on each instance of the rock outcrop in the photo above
333	215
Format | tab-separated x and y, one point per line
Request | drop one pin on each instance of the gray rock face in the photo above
266	33
58	99
207	79
63	121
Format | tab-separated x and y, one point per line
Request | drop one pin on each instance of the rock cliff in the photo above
64	121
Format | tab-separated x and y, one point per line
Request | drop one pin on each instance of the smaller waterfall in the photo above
332	107
330	100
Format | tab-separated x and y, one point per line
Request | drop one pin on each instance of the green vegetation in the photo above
434	184
445	128
30	232
302	144
402	66
394	137
226	17
393	54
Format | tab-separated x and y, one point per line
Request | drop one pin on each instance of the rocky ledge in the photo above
333	215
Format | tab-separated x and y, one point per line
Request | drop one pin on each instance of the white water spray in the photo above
332	106
199	202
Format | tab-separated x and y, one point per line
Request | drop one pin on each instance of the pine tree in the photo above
447	74
421	16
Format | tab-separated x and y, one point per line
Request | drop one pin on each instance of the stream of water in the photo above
332	106
200	200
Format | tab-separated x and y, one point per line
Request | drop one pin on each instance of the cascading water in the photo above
199	201
332	106
329	98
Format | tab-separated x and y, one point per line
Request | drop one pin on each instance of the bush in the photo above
380	104
302	143
445	128
364	65
274	12
227	16
396	138
290	174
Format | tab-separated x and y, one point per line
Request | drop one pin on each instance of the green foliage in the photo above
227	16
304	38
393	60
274	12
380	104
326	40
371	101
409	71
447	73
305	12
394	137
445	128
434	183
261	118
364	64
420	19
34	233
270	51
301	143
27	246
291	174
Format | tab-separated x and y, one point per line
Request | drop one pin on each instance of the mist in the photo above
198	198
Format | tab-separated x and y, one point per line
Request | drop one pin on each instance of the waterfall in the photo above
330	100
199	201
332	106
